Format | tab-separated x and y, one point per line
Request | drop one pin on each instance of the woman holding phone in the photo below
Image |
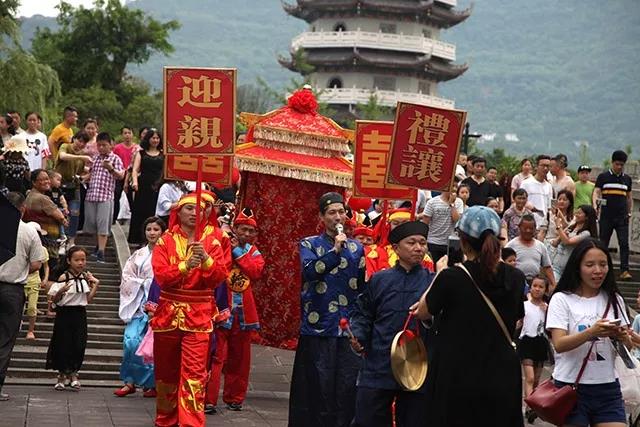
585	313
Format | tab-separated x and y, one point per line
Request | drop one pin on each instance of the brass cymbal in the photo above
409	360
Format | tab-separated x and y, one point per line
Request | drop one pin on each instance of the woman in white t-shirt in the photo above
37	143
580	320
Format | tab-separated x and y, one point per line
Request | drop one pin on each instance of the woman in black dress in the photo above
474	373
145	176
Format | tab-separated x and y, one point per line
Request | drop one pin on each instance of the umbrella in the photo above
9	218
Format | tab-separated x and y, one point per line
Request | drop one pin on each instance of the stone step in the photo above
91	343
105	355
83	374
87	365
40	381
92	319
95	336
92	328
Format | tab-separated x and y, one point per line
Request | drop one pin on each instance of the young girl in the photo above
137	276
73	290
585	225
534	345
463	193
585	312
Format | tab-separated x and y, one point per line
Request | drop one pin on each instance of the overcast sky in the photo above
46	7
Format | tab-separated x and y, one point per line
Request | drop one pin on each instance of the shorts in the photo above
597	403
535	349
31	291
98	217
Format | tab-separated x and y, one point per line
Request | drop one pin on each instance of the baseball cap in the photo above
477	219
584	168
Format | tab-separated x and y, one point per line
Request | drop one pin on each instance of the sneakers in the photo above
98	257
625	275
234	406
210	409
530	415
4	397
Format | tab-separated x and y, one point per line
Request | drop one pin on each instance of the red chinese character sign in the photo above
425	146
199	110
373	144
214	169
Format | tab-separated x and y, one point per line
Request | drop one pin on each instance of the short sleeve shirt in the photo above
60	134
38	149
530	259
68	168
440	224
614	190
511	220
479	193
574	314
102	183
28	250
40	208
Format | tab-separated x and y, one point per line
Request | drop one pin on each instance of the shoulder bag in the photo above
551	403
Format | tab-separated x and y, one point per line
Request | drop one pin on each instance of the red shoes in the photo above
150	392
125	390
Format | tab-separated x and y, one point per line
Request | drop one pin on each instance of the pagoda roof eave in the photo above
354	58
426	11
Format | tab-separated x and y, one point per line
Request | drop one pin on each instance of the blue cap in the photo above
477	219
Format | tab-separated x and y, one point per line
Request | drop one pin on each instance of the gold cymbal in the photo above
409	360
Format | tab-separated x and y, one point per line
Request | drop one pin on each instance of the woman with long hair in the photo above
585	312
145	176
90	126
525	172
137	276
491	386
585	225
560	214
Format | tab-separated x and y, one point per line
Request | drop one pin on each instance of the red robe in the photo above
233	337
376	259
182	325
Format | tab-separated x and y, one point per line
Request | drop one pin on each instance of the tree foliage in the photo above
94	46
8	23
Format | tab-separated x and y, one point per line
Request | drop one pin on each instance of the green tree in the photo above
93	47
26	84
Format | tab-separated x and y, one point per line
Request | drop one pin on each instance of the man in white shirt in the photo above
13	276
539	190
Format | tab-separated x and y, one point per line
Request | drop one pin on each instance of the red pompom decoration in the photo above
344	324
303	102
359	203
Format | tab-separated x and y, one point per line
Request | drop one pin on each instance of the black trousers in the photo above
373	408
11	306
69	339
437	251
620	225
323	384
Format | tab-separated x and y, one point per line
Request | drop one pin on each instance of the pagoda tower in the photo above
354	49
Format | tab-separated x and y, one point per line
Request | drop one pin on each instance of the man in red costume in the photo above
233	337
186	269
376	257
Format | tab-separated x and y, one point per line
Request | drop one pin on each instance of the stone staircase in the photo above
629	288
101	365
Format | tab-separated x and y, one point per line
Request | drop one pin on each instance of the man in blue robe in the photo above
323	385
380	314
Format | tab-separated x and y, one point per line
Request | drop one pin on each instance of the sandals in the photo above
75	384
59	386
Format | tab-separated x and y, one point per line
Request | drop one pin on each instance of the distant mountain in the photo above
544	75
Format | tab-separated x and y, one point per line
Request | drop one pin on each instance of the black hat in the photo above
407	229
584	168
328	199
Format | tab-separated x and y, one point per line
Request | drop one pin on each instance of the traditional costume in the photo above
382	230
379	315
182	323
376	258
325	368
233	336
137	276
